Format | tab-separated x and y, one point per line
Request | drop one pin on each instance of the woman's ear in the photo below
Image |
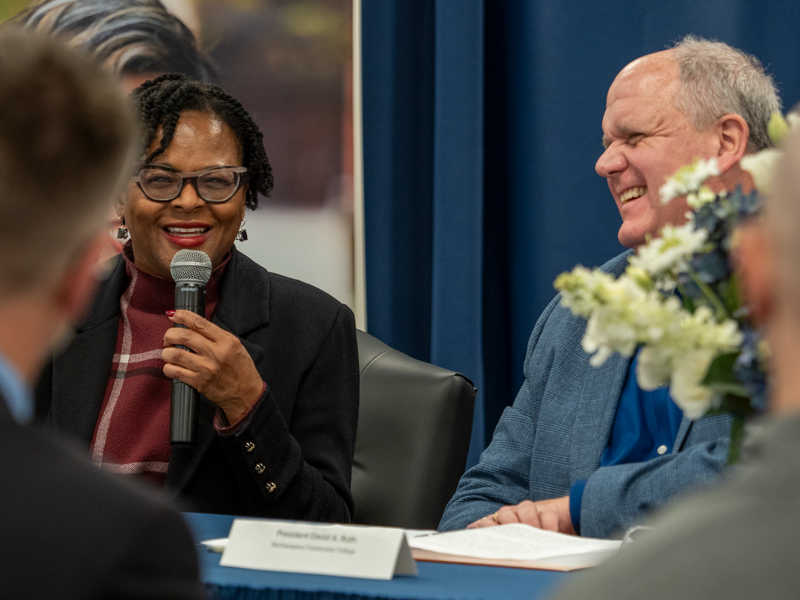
119	204
244	203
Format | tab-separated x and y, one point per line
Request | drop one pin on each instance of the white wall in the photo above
315	246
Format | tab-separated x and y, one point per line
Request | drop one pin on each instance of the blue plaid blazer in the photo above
558	428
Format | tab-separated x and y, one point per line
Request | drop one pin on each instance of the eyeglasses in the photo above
214	185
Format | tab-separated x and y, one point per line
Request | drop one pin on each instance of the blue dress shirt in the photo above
15	391
645	426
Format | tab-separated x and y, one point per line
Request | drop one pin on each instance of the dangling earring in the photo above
122	231
242	235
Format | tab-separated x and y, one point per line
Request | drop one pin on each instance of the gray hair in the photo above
66	135
130	37
717	80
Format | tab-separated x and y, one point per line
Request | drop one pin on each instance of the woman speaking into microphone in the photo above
274	360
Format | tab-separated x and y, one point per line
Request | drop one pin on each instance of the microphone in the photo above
190	269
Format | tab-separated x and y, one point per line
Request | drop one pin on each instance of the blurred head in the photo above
768	257
191	127
781	226
665	110
135	39
66	136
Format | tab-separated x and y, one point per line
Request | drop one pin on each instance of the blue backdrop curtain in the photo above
481	130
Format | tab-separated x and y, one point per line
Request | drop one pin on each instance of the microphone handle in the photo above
184	399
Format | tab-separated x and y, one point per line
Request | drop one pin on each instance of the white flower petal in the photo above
685	388
761	167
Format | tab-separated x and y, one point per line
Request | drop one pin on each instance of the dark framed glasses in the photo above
214	185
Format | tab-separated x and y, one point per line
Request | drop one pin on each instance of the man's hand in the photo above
551	515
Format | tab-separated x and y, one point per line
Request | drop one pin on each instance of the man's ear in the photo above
753	256
75	290
733	133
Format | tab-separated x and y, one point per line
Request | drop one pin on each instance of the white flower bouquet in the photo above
678	301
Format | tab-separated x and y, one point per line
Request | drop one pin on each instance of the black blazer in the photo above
294	458
70	531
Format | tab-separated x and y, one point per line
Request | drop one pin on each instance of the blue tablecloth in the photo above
435	581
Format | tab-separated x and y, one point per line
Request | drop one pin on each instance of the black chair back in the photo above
414	428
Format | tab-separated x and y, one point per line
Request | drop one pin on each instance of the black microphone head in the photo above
190	266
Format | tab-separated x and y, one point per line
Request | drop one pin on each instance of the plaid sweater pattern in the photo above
131	436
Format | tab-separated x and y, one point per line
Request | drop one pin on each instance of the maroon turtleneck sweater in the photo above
132	432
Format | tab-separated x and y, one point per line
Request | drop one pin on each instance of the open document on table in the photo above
514	545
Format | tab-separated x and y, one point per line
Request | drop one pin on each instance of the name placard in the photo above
343	550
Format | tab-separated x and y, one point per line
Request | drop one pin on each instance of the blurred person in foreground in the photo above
585	450
742	539
275	360
68	530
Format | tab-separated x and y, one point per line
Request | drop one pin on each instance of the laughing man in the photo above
585	450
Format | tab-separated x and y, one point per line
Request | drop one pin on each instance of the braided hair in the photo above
160	102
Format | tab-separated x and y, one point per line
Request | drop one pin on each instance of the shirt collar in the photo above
15	391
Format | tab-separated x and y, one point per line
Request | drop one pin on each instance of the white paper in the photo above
343	550
215	545
415	533
512	542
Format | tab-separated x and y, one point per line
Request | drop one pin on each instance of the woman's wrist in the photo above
240	407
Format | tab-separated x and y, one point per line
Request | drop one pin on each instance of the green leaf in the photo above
720	371
708	294
732	296
777	128
737	405
724	387
737	436
686	300
688	303
721	378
